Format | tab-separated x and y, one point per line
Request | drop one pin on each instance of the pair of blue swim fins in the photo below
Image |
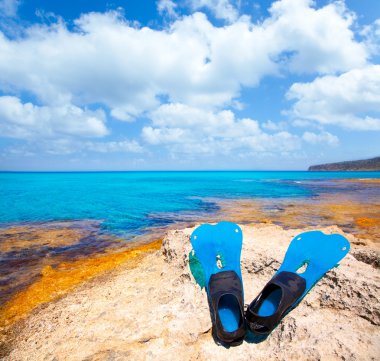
217	248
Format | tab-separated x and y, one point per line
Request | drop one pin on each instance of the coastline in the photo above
59	260
151	308
69	252
55	282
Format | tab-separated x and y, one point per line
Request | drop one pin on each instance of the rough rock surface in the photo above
155	311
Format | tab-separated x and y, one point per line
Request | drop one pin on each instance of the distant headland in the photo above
372	164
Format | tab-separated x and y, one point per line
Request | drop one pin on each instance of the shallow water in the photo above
125	203
50	218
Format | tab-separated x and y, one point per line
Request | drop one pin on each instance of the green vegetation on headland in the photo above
372	164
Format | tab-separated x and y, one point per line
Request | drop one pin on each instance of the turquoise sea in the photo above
111	209
127	203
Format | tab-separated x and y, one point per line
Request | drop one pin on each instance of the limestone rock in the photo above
156	311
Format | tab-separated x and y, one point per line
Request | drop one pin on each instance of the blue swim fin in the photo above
309	256
218	249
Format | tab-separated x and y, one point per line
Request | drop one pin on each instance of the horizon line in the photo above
184	170
154	170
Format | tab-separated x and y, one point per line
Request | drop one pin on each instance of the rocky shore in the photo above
150	308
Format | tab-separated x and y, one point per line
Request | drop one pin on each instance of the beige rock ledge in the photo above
157	312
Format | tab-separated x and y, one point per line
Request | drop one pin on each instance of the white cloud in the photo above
308	39
109	61
185	129
25	120
9	8
163	135
197	67
64	146
221	9
345	100
124	146
270	125
371	33
323	137
167	7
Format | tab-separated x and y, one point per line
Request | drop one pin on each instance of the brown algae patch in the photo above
55	282
26	249
365	222
359	180
359	218
26	237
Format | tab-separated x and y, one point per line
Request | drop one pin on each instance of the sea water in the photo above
127	203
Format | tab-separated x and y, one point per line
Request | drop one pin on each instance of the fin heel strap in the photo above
292	287
221	284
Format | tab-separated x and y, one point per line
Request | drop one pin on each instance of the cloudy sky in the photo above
188	84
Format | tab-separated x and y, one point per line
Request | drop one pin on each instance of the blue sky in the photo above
192	84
